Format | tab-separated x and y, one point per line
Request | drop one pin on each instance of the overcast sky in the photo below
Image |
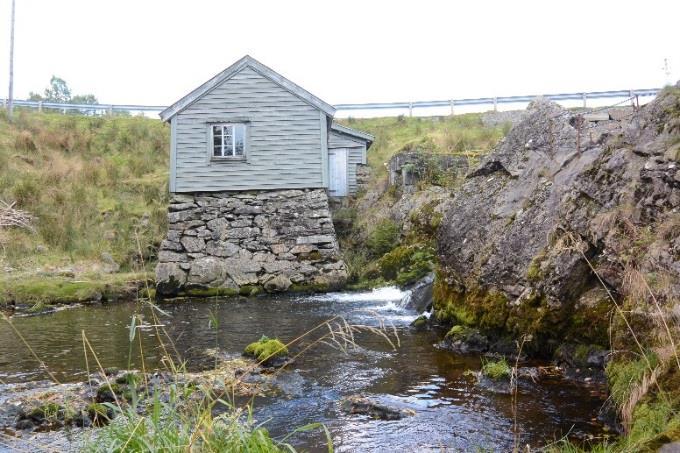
154	52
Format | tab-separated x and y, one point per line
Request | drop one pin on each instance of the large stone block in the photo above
169	278
193	244
208	270
316	239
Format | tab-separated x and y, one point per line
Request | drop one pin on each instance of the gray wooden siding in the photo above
283	144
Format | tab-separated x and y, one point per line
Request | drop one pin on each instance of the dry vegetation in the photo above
91	184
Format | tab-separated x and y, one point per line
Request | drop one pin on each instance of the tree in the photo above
84	99
59	92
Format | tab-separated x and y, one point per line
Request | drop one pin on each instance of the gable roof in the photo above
263	70
363	136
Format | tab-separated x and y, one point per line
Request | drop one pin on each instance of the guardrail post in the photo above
410	109
110	110
584	97
40	106
451	104
495	104
631	95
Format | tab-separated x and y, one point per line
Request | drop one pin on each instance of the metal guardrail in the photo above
451	103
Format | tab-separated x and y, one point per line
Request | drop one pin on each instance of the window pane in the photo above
228	145
217	140
239	140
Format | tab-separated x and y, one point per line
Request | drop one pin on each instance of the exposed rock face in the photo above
513	238
268	239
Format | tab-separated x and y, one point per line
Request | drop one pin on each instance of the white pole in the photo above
10	105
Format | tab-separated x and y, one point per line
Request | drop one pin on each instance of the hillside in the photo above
96	189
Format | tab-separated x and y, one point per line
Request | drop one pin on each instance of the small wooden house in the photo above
250	128
253	161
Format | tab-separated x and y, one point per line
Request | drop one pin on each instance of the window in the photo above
228	140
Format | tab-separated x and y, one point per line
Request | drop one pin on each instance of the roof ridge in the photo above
226	74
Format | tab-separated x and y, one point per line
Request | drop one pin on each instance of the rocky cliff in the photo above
561	212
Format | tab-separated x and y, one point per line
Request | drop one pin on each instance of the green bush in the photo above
384	237
406	264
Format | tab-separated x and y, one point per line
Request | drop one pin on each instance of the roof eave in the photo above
265	71
368	138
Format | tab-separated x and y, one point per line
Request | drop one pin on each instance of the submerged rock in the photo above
420	299
465	340
358	404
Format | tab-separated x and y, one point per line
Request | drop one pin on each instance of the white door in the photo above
337	172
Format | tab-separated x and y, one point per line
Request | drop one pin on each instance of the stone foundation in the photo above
242	242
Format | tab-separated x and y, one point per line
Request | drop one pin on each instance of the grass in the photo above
44	290
94	185
459	134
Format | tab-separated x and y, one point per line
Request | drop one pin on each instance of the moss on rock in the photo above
266	349
420	321
497	370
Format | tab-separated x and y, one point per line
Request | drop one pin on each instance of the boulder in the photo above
513	238
169	278
277	284
358	404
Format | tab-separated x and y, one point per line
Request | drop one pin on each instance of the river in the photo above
451	413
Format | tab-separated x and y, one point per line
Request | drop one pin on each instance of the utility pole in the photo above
10	104
667	70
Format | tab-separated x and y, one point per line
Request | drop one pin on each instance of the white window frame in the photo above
211	141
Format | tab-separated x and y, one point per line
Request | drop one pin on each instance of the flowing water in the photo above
451	413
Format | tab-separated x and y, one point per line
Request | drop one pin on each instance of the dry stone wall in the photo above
245	241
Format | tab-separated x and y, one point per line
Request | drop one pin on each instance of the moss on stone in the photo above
497	370
487	310
208	292
420	321
309	288
250	290
266	349
534	270
455	331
